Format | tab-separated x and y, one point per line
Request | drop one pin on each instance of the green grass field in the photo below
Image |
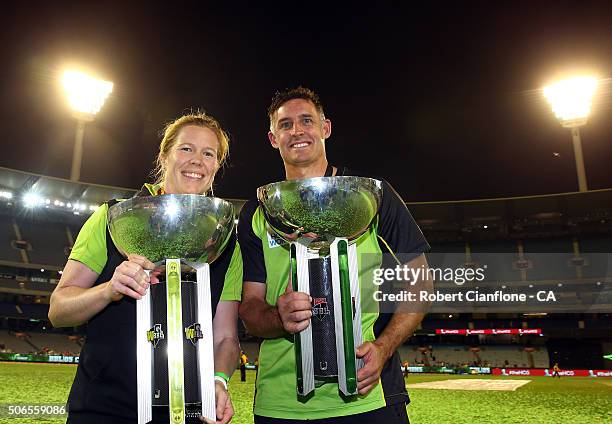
544	400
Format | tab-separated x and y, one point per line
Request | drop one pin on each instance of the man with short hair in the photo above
271	310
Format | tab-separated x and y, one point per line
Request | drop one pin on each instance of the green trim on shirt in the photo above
90	245
153	188
232	285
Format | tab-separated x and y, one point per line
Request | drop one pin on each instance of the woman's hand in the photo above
130	278
225	409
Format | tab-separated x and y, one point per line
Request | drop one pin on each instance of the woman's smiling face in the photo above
191	164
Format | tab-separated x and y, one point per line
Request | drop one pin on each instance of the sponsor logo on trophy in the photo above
193	333
155	334
183	234
319	307
321	218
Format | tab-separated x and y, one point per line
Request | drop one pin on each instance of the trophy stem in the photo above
144	354
175	341
296	337
356	299
347	317
206	355
299	257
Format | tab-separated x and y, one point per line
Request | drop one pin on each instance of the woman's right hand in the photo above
130	278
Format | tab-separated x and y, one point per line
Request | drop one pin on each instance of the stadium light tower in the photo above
86	96
571	102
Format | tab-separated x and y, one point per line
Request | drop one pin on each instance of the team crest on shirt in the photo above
274	240
320	308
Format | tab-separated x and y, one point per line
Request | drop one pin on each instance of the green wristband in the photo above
222	375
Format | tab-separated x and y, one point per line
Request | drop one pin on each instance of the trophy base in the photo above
161	413
160	346
324	355
325	350
175	368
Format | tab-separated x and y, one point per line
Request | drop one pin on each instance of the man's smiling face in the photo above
299	132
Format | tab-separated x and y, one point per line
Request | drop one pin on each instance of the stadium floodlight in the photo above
571	101
86	96
31	200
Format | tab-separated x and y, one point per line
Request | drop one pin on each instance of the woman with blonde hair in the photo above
100	287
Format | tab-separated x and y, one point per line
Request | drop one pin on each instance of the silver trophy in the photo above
321	218
178	232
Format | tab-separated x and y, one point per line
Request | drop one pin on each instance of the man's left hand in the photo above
374	357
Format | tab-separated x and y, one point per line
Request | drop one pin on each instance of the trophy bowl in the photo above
188	226
321	209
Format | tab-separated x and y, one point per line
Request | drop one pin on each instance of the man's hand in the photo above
295	310
130	278
374	356
224	409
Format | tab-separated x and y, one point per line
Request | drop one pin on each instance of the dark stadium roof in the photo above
529	216
57	188
20	183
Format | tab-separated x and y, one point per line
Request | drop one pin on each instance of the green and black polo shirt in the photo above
266	261
104	388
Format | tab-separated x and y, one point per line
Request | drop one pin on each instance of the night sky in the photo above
443	100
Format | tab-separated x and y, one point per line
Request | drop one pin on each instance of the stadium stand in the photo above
55	343
40	218
48	242
35	342
499	269
16	343
486	356
8	250
35	311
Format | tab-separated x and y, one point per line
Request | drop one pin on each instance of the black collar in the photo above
340	171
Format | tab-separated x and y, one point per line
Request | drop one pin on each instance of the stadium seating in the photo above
7	234
48	242
499	267
35	311
14	344
490	355
576	226
10	310
57	343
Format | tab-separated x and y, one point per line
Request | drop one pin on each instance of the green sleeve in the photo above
232	286
90	245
